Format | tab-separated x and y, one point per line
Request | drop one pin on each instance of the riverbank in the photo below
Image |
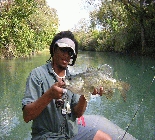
9	54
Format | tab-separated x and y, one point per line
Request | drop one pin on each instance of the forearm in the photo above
32	110
80	108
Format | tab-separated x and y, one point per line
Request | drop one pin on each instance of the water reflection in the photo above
137	71
8	121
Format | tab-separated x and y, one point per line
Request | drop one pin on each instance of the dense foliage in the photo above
120	26
27	26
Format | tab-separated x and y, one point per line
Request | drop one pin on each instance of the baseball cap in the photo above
66	42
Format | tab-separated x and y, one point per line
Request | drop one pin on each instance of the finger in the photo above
101	91
56	84
60	84
95	91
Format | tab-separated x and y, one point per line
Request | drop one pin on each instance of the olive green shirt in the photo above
50	122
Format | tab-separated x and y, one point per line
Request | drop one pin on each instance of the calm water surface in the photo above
137	71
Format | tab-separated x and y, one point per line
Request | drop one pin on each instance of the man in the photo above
53	109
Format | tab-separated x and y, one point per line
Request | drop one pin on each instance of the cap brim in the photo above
66	42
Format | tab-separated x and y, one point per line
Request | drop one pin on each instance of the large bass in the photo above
84	83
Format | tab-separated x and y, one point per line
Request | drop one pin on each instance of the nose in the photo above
66	53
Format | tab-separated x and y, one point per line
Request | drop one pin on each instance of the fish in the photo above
85	82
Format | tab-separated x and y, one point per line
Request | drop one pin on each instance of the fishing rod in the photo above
138	106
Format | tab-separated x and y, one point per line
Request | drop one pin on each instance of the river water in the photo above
139	72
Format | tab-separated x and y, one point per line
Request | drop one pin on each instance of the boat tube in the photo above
108	127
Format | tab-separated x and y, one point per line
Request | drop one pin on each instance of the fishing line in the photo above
139	105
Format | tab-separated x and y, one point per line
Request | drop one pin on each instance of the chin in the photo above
63	67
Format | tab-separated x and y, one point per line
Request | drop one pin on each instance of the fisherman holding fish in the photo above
54	110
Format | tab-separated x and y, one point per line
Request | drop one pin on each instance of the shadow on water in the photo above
137	71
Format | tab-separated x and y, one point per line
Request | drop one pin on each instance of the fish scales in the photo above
84	83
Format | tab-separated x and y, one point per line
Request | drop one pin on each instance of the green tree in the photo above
109	19
124	26
140	15
27	26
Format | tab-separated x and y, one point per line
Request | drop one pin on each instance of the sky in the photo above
69	12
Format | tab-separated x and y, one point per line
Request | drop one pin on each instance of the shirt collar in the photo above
50	69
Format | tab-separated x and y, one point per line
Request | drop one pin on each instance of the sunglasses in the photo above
66	49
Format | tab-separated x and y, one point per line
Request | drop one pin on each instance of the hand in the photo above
98	91
56	90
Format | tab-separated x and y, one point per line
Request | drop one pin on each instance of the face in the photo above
62	56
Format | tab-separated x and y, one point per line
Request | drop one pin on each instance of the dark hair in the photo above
65	34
